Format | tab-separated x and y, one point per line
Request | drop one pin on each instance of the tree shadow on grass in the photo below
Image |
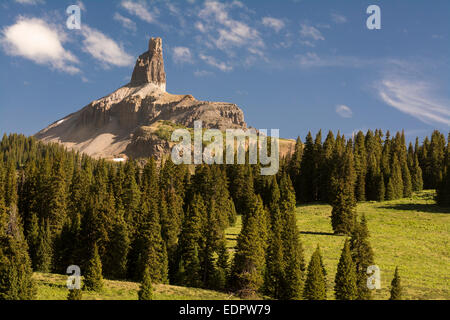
431	208
319	233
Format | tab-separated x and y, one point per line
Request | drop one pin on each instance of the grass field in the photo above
53	287
412	233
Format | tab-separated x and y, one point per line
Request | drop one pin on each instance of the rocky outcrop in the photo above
150	66
115	124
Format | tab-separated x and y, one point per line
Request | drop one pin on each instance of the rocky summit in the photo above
136	120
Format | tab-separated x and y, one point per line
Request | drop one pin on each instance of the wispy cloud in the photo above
125	22
202	73
32	2
344	111
274	23
138	9
414	98
40	42
338	18
104	49
214	63
224	31
313	60
182	55
310	32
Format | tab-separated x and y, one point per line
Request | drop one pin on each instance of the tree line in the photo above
164	223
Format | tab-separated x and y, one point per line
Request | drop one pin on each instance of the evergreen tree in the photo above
146	289
345	287
293	260
443	189
295	165
416	175
16	281
315	284
396	178
44	250
249	260
191	243
407	181
57	204
117	251
306	181
274	276
342	192
396	287
93	279
360	167
390	191
327	166
362	256
75	294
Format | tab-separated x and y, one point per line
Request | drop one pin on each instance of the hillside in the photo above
410	233
53	287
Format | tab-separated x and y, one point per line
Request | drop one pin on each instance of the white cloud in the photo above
415	99
224	31
138	10
182	55
125	22
338	18
104	48
312	60
202	73
81	5
40	42
274	23
310	32
344	111
32	2
214	63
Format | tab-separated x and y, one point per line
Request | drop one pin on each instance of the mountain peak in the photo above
149	66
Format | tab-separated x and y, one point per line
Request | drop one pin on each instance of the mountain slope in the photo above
114	126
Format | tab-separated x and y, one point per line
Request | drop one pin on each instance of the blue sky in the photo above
296	65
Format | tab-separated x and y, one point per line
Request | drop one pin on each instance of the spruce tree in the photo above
345	287
93	279
146	289
390	191
396	287
416	175
75	294
293	260
44	250
315	284
191	243
249	259
294	166
16	282
117	250
396	178
360	167
362	255
306	179
407	181
343	192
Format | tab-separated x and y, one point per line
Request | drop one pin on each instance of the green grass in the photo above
410	233
53	287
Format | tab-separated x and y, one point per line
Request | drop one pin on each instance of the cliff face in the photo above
117	125
150	66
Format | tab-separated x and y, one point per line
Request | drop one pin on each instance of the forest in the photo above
154	223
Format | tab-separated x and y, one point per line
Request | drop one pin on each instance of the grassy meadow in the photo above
410	233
